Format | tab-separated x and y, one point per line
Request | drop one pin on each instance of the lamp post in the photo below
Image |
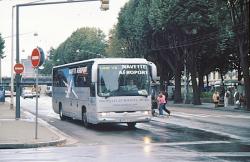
0	70
12	60
18	76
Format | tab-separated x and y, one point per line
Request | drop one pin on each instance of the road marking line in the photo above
195	143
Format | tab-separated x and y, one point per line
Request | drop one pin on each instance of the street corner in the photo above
6	112
17	134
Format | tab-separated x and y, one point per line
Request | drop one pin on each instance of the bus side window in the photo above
92	90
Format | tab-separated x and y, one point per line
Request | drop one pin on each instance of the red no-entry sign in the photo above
35	57
18	68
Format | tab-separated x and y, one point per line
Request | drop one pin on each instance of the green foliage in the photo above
1	46
133	28
48	65
167	31
85	43
206	94
116	47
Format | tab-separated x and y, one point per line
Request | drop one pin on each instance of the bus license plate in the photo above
125	120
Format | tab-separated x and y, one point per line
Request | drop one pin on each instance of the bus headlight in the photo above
146	113
103	114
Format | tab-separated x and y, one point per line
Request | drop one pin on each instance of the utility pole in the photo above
12	60
18	76
0	70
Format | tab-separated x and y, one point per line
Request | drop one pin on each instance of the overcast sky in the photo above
53	24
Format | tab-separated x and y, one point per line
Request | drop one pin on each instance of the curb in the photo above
35	145
62	137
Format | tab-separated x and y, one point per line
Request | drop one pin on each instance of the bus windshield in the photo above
123	80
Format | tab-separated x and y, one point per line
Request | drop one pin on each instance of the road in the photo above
187	135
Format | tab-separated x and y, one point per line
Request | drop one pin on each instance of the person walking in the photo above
242	100
216	98
226	98
237	99
162	103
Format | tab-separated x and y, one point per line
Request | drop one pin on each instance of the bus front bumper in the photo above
125	117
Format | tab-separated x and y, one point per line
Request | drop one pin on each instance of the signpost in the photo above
18	68
37	59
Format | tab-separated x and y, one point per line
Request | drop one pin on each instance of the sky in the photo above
52	23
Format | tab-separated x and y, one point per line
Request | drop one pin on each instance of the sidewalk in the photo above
208	106
21	133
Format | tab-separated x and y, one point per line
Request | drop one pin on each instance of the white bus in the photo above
104	90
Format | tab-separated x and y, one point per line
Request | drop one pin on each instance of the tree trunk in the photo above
207	80
201	82
239	73
196	94
193	72
245	69
177	92
161	83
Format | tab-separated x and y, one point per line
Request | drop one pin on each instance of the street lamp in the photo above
0	70
12	60
18	77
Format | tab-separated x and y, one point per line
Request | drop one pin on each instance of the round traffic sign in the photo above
37	57
18	68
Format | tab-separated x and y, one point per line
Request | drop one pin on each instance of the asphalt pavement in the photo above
21	133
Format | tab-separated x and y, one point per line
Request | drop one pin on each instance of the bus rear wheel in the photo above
84	119
131	125
62	117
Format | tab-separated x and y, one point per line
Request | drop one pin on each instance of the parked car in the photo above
27	94
48	91
34	94
8	93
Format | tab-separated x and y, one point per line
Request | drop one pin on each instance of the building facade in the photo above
29	71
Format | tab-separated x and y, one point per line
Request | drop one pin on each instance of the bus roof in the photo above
109	61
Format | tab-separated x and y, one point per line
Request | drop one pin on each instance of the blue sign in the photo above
2	94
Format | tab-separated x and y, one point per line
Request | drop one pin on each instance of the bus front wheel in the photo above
131	125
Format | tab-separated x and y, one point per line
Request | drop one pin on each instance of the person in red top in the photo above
162	103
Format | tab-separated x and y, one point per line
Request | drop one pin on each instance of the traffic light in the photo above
104	5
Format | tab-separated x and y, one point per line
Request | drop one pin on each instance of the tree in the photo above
116	47
173	32
181	24
240	22
48	65
129	27
84	43
1	46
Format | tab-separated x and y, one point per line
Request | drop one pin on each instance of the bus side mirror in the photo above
153	70
92	89
94	73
